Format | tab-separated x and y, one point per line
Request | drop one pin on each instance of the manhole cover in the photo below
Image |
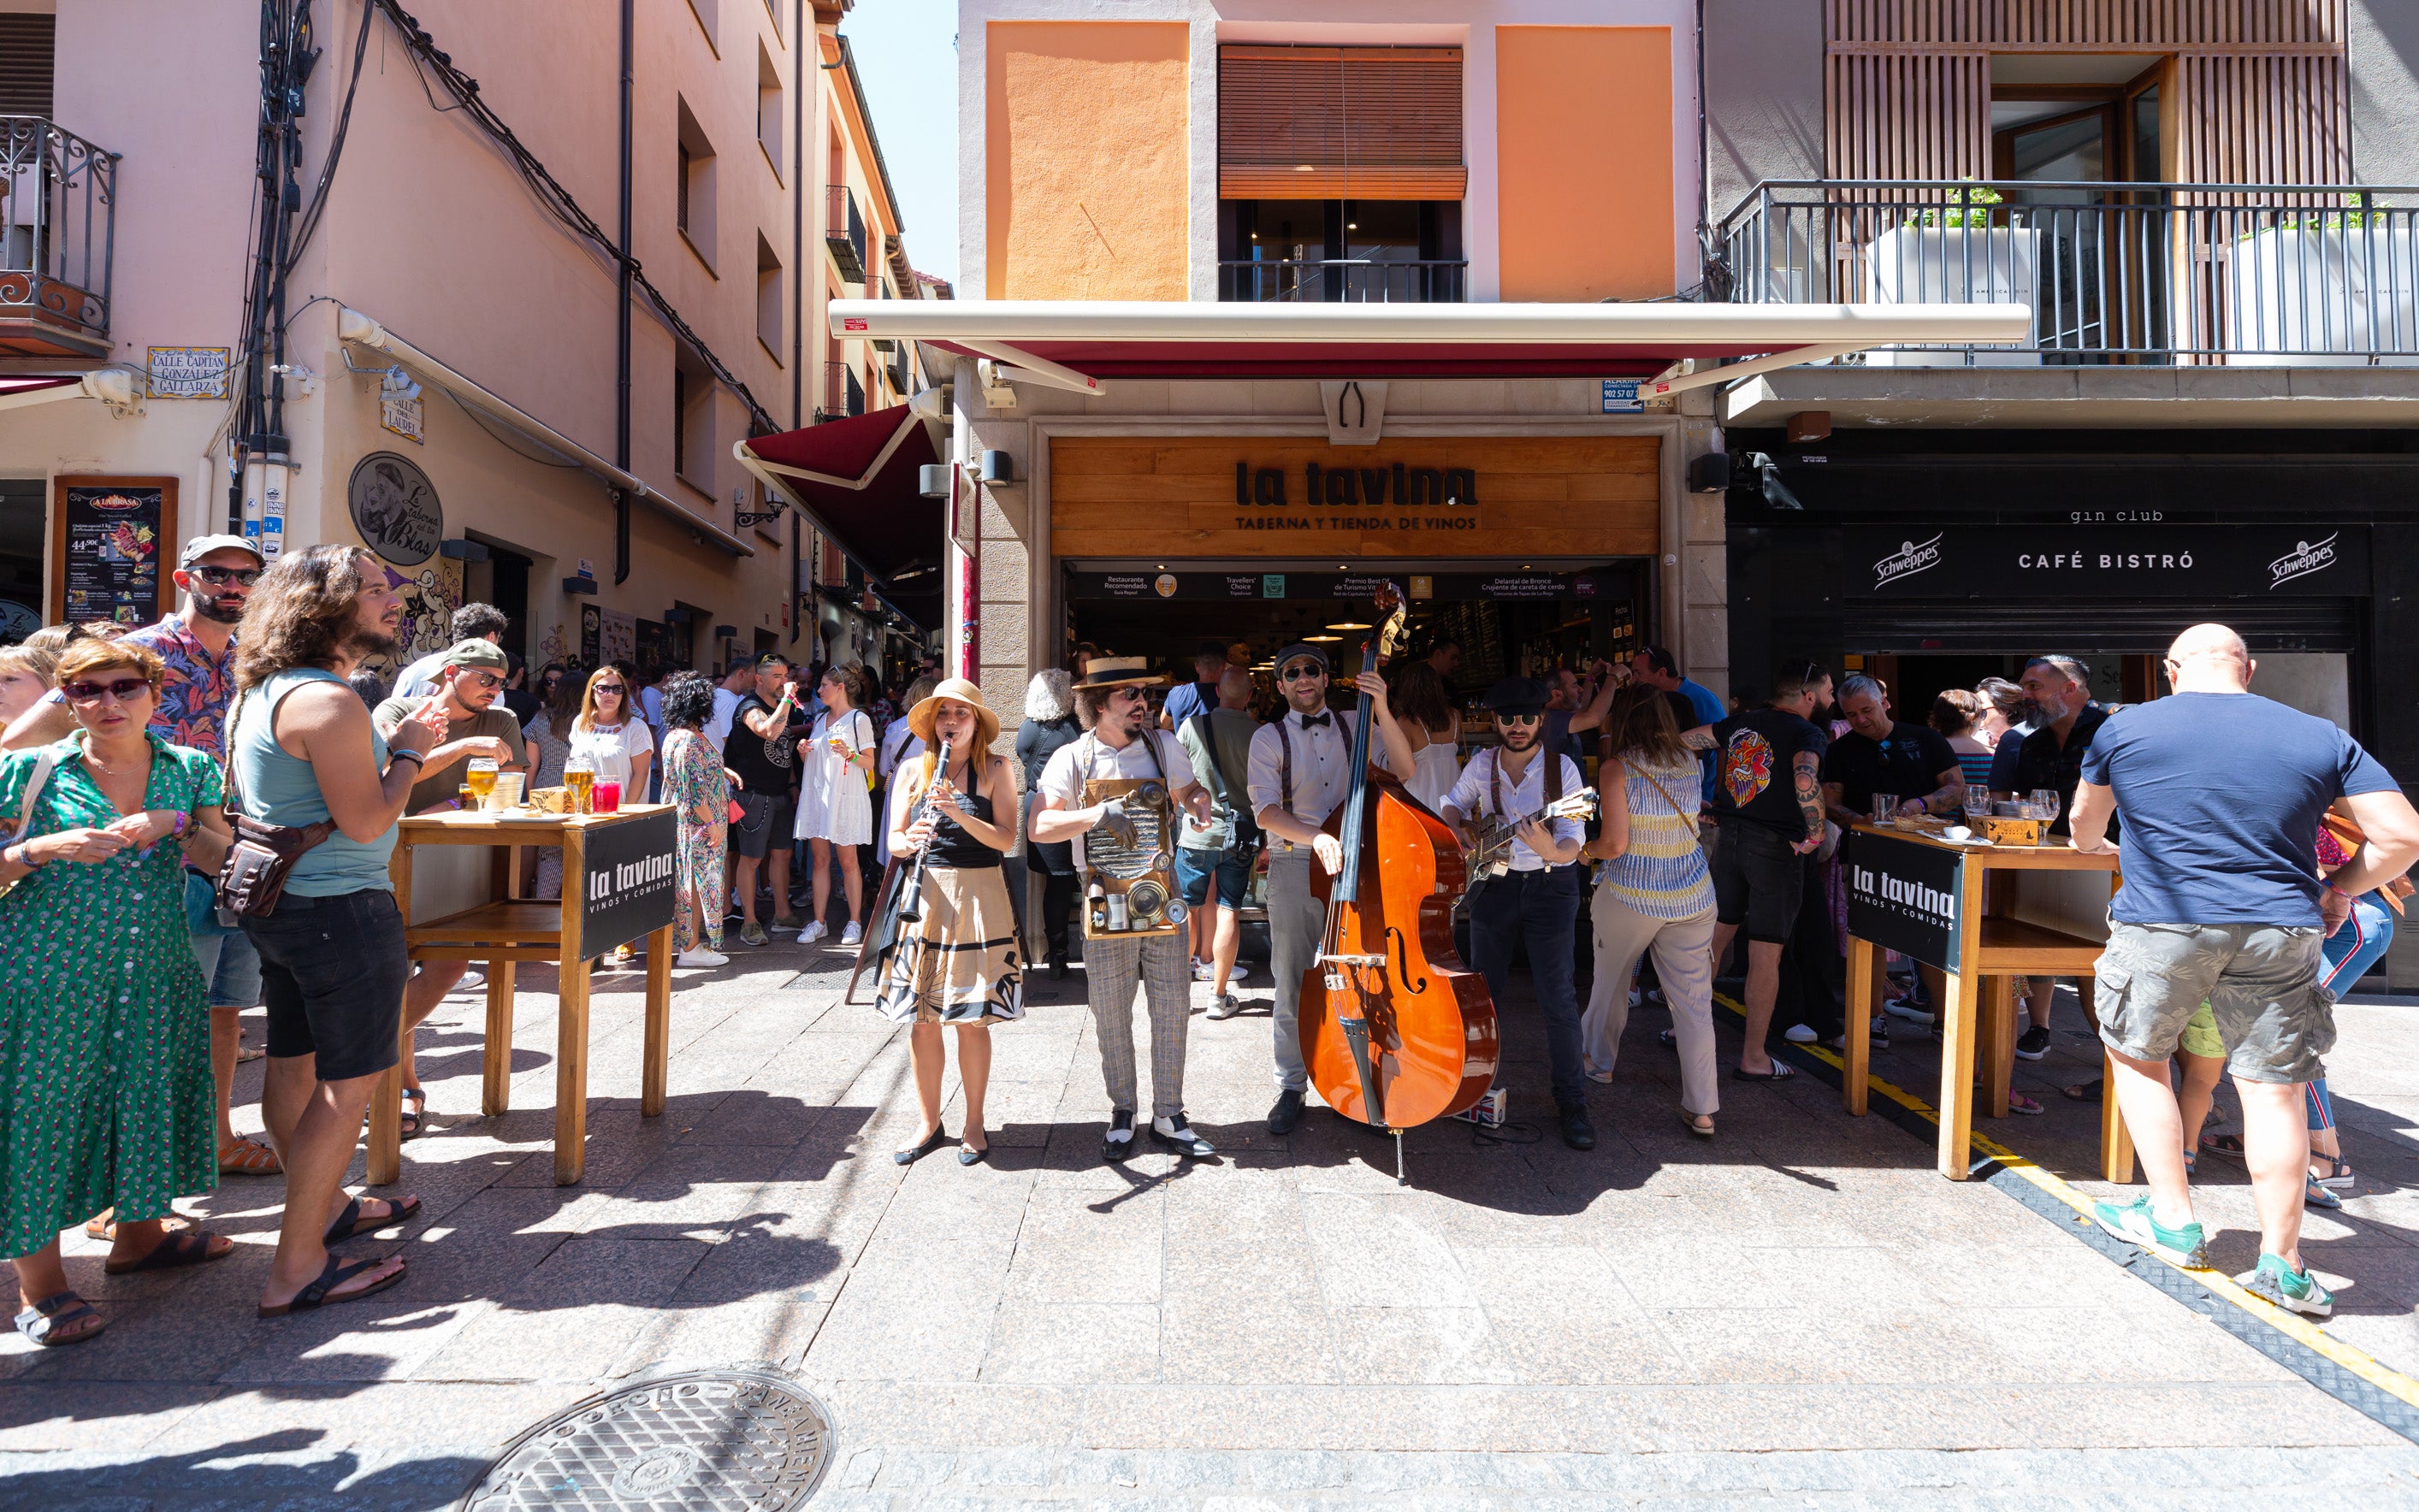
698	1441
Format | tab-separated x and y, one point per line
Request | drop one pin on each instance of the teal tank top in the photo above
281	789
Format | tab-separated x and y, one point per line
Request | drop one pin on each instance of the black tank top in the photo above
953	846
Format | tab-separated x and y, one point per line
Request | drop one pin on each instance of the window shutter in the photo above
1340	122
25	44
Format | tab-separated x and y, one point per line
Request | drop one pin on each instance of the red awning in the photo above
855	481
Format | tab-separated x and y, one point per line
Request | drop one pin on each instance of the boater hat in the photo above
1120	671
921	717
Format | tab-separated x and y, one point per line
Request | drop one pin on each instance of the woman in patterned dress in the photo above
958	964
1655	893
105	1091
699	789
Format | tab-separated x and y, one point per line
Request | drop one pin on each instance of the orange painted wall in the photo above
1084	178
1583	162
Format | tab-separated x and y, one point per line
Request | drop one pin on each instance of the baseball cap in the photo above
478	653
202	546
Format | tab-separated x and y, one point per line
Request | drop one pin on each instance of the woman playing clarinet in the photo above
958	963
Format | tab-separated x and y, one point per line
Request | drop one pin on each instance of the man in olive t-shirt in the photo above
468	686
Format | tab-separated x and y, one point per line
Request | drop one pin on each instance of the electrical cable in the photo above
559	200
310	222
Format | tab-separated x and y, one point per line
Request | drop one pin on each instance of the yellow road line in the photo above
2292	1324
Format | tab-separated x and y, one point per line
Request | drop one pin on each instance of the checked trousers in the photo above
1111	967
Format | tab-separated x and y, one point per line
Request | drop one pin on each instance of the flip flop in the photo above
317	1295
1781	1071
1688	1122
352	1223
2083	1092
2229	1146
42	1320
187	1247
2317	1195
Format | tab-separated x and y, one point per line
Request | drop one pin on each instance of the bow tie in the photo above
1316	721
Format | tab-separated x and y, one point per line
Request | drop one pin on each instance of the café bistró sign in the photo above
2093	560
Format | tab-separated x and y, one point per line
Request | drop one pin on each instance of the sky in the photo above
906	53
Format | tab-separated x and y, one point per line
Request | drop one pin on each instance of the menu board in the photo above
112	538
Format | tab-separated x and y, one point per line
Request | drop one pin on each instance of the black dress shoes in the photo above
1178	1135
938	1137
1118	1143
1287	1112
1057	965
1576	1132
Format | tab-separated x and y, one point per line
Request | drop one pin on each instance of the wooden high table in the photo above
1985	915
462	910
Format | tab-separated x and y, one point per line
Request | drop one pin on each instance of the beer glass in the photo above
578	776
480	777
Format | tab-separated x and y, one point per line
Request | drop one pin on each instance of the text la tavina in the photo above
1403	486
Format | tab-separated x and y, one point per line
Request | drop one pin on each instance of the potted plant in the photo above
1956	252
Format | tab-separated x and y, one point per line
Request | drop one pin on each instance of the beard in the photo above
366	643
1520	738
218	611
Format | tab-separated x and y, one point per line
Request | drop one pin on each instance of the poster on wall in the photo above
110	538
592	632
655	645
395	508
617	636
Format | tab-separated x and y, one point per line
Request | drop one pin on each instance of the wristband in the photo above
2337	891
177	831
412	756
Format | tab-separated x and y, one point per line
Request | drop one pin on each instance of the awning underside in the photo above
856	480
1347	360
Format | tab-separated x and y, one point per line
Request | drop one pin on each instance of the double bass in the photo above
1397	1030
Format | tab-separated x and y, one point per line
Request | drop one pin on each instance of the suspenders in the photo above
1552	774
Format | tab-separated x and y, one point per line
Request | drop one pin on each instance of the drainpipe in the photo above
621	315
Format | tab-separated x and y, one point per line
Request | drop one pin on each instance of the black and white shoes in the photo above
1118	1143
1178	1135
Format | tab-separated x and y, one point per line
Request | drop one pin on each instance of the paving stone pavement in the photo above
1798	1310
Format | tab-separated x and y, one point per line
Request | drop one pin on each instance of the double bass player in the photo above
1300	771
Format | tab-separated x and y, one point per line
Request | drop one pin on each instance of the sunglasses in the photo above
1518	719
1302	673
123	689
1128	695
242	576
486	679
608	688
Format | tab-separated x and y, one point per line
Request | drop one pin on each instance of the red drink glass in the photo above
606	796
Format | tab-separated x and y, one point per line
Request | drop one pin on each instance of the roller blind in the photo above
25	65
1340	122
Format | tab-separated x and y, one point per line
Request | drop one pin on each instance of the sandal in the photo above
415	1110
248	1053
249	1157
1703	1131
187	1247
2084	1092
352	1223
2315	1195
2339	1176
2229	1146
1781	1071
43	1321
2019	1103
317	1295
102	1225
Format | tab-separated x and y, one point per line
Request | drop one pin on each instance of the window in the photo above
1356	250
768	297
709	17
25	52
1325	123
769	113
695	205
692	421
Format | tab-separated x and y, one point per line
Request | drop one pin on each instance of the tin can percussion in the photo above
1129	881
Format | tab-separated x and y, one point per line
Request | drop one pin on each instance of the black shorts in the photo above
331	973
766	820
1758	882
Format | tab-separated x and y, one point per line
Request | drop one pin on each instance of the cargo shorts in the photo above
2260	983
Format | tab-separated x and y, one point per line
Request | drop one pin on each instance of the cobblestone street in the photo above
1798	1310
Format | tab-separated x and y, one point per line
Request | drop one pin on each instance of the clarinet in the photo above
911	905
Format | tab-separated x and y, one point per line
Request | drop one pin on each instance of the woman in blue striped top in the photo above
1954	713
1654	892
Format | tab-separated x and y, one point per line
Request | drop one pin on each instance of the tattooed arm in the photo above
1807	765
1699	738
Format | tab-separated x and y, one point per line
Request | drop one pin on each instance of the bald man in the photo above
2222	791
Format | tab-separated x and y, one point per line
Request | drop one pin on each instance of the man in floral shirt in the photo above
215	573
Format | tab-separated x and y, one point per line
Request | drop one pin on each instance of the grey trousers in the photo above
1111	967
1296	919
1682	963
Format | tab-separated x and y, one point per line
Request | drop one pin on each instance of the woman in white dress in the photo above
835	809
611	734
1425	712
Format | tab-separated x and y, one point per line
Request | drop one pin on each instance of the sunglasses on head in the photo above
1302	671
123	689
245	577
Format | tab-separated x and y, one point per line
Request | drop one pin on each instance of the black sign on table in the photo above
1904	897
628	878
2165	560
112	539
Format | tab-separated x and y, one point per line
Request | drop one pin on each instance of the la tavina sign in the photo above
627	874
2000	561
1904	897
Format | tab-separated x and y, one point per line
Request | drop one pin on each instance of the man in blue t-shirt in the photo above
2222	793
1198	697
1657	667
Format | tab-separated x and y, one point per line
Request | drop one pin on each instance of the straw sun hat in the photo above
919	718
1120	671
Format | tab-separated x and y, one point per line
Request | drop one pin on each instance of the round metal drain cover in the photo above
699	1442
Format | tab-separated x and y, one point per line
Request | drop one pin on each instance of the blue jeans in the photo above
228	962
1539	909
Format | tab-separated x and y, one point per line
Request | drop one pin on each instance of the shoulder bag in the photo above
262	856
45	761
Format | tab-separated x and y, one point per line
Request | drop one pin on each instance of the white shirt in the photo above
898	742
1322	771
718	729
611	749
1473	795
1064	780
419	680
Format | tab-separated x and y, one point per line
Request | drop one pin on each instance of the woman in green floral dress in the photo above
106	1092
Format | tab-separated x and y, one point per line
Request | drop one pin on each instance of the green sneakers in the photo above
2186	1246
2274	1281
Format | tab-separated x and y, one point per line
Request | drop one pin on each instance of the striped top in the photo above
1974	759
1663	874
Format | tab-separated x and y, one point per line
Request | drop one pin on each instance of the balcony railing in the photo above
1346	280
843	395
844	232
2226	274
58	195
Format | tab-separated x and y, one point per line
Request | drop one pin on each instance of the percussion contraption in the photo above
1129	870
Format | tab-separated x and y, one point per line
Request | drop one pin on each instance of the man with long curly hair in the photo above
301	751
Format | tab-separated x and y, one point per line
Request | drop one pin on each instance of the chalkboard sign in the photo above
1905	897
115	547
626	883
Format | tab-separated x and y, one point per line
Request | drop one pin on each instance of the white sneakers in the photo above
1204	971
853	934
700	956
812	932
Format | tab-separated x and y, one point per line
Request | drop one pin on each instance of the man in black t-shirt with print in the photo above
1767	799
762	749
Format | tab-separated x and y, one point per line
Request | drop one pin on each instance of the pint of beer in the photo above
578	776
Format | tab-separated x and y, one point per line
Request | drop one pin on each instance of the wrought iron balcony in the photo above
1345	280
58	197
844	232
843	395
2216	274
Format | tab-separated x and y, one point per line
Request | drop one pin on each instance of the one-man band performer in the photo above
1537	902
1122	743
1300	771
958	962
